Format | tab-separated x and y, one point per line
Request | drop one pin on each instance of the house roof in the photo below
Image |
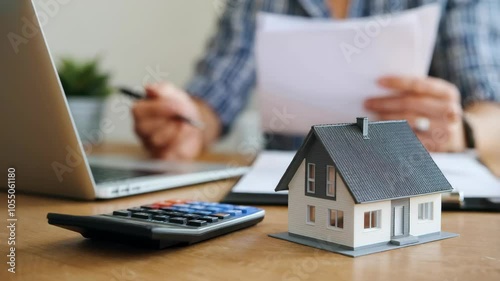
392	163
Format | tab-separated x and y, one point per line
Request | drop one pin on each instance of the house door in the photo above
399	221
400	217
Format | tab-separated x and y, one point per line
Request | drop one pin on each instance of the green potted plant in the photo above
86	88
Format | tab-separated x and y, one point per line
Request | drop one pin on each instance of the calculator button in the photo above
243	209
208	203
121	213
209	219
234	212
178	220
225	206
173	214
145	216
136	210
161	218
155	212
191	216
214	210
197	223
221	215
202	213
185	210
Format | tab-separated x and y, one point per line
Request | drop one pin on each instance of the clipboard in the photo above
256	199
456	201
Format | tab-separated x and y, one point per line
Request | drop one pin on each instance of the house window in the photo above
311	214
336	218
425	211
331	184
372	219
311	178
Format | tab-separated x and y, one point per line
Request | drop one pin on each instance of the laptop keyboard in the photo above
105	174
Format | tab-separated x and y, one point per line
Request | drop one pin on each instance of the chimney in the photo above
362	123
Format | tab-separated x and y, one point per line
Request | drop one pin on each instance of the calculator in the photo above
162	224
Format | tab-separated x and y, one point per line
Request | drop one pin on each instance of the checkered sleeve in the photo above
468	52
225	75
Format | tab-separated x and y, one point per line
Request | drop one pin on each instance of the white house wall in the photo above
425	227
364	237
297	212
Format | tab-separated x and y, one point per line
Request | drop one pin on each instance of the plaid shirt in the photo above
467	50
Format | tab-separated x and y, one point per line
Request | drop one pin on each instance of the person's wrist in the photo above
457	142
213	127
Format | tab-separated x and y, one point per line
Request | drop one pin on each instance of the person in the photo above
463	82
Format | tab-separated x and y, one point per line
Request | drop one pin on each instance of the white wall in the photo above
134	38
425	227
297	211
364	237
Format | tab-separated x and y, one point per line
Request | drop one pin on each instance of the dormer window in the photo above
311	178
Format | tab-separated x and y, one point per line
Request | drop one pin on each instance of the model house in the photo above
363	188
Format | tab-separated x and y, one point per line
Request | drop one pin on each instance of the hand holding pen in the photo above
168	122
181	118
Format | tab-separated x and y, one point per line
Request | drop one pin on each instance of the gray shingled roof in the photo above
391	164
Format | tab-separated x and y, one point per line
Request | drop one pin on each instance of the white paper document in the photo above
462	170
321	71
265	173
466	174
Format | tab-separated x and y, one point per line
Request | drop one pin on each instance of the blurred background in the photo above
137	42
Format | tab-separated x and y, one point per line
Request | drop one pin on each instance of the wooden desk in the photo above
46	252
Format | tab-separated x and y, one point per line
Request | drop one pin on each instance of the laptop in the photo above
38	138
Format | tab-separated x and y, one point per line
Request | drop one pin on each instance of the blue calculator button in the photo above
195	203
234	212
210	203
168	208
244	209
185	210
214	210
225	206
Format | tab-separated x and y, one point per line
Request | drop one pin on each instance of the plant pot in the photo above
87	114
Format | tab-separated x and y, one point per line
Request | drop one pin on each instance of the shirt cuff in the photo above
214	95
481	91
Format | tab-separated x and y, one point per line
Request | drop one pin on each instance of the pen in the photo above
137	95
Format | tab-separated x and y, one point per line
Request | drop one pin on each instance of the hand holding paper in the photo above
431	98
322	71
